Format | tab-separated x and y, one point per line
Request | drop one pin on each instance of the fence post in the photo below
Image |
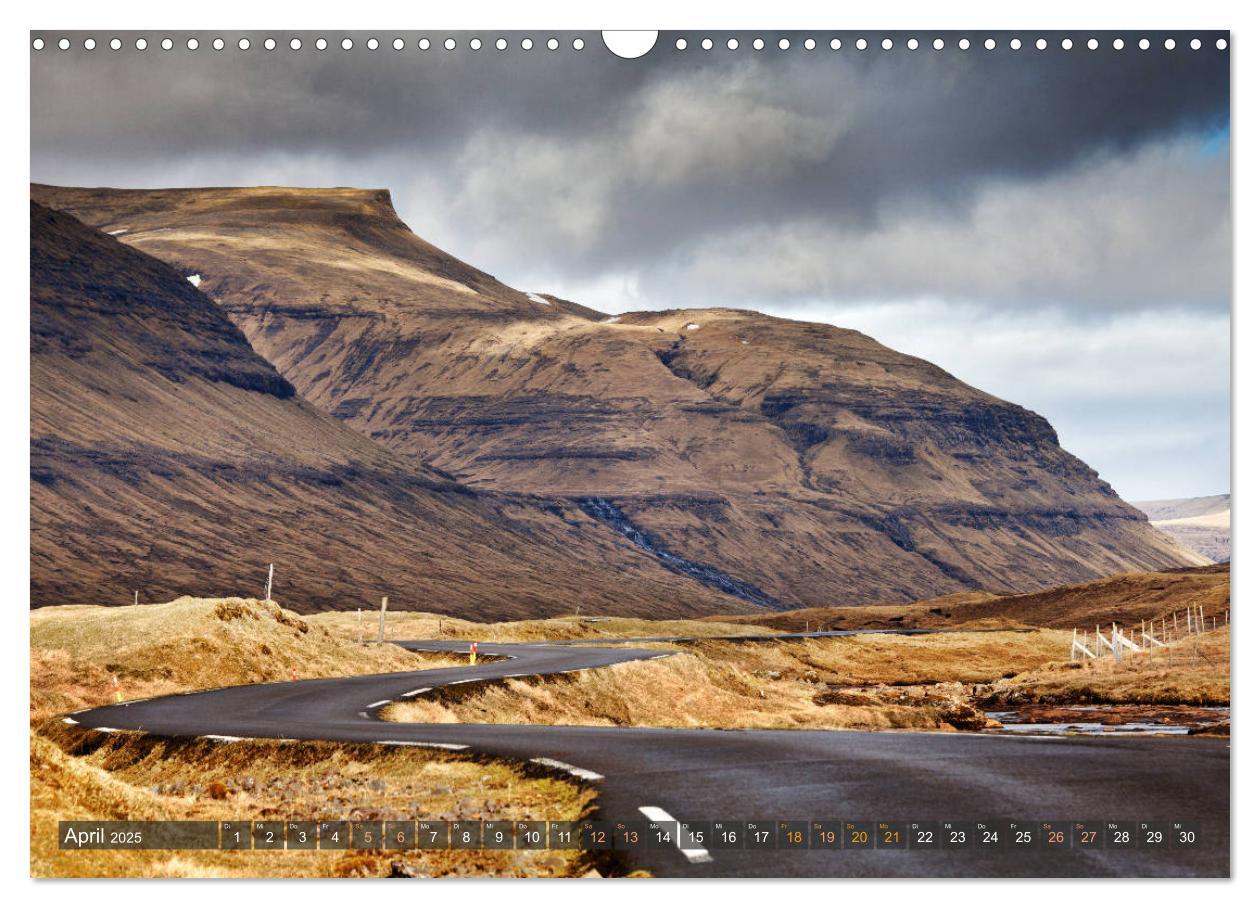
380	634
271	569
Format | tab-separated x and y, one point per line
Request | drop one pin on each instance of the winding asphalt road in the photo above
707	775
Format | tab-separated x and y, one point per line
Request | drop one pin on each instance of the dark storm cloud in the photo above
857	130
966	206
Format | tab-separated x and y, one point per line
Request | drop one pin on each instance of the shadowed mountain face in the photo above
804	463
168	457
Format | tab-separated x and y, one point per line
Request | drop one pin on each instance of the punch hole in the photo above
630	45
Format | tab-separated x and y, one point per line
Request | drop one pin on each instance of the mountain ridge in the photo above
806	460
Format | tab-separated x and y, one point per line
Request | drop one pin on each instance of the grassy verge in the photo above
867	682
188	644
76	651
76	775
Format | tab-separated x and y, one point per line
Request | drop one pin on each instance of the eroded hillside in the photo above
168	457
807	464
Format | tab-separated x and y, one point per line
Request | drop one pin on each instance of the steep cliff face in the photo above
808	462
168	457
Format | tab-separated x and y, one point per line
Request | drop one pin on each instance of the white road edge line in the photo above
418	692
424	744
107	730
694	855
572	770
69	721
222	738
377	703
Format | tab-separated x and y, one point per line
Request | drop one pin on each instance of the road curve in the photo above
700	774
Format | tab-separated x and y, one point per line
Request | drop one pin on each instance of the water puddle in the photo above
1109	720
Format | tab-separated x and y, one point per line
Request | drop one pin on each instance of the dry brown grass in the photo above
1192	671
853	682
188	644
196	643
429	626
79	775
1126	598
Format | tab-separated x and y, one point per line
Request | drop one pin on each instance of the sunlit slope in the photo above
807	460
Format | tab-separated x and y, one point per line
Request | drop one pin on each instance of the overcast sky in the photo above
1051	226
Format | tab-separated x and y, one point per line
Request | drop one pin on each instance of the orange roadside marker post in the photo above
117	689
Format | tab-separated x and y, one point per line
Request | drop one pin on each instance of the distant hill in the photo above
1200	524
790	463
1124	598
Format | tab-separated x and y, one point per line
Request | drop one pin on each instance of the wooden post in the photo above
1202	623
360	625
135	600
271	570
380	634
